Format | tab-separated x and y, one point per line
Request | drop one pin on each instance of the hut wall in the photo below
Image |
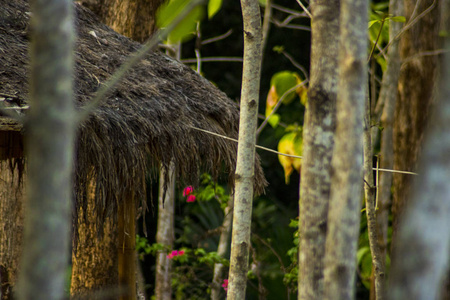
94	263
12	191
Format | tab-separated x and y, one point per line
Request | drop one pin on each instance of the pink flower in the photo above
188	190
190	198
225	284
175	253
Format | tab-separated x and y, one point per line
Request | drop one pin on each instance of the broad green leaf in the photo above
186	28
400	19
280	84
274	120
213	7
373	22
262	3
380	6
283	81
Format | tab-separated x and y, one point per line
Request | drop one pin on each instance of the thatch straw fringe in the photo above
150	113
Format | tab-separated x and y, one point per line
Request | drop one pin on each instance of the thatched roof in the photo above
150	114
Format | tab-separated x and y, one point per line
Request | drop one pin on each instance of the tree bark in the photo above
94	257
132	18
165	235
421	254
415	93
50	127
318	143
245	166
346	183
12	188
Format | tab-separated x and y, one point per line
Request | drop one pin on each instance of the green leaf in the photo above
186	28
213	7
262	3
274	120
283	81
373	22
278	49
400	19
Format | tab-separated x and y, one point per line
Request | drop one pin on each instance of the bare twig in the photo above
304	9
212	59
296	64
409	25
266	24
217	38
280	101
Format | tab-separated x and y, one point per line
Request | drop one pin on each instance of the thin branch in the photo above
298	27
234	140
296	64
288	11
280	101
424	53
407	26
266	24
133	60
197	49
212	59
290	155
217	38
304	8
376	41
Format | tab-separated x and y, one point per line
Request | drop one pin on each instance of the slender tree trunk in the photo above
50	127
378	272
422	251
415	93
388	96
318	143
346	183
165	235
222	249
245	167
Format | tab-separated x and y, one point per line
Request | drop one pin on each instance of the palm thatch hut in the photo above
146	122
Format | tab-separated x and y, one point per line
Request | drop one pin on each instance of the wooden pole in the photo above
127	247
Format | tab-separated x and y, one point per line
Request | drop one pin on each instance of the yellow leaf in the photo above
290	143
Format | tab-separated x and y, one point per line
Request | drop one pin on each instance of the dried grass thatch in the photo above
146	121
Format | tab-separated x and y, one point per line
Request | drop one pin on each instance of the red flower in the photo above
181	252
188	190
190	198
225	284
